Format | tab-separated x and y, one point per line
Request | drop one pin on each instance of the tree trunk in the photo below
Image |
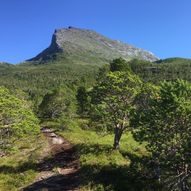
183	186
117	137
183	180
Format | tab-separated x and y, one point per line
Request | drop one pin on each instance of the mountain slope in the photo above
88	47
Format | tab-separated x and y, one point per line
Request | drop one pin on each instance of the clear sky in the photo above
160	26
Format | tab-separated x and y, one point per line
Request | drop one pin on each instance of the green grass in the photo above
103	168
18	169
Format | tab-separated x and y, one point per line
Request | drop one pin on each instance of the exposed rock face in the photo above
52	49
75	42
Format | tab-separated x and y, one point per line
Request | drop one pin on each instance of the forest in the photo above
129	122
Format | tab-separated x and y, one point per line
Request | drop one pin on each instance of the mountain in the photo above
83	46
74	58
5	64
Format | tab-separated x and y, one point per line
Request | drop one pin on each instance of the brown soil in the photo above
60	172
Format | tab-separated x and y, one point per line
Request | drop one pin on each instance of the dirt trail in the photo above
60	172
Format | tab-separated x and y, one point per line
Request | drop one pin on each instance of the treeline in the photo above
168	69
37	80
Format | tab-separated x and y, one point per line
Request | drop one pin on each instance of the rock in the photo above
2	154
57	140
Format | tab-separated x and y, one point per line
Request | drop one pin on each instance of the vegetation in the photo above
168	69
150	118
60	102
102	167
82	99
112	100
21	144
164	124
16	119
37	80
20	168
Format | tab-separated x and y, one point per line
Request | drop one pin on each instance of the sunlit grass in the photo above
18	168
97	157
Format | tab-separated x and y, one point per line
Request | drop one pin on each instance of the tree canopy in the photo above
165	125
16	118
59	102
112	99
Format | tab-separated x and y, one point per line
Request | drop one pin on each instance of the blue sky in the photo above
160	26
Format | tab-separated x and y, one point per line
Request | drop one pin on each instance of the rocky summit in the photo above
87	46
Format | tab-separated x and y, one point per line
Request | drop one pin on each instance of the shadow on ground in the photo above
111	177
133	177
56	183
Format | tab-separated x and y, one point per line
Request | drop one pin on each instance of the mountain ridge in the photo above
84	43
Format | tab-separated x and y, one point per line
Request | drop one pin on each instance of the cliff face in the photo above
87	44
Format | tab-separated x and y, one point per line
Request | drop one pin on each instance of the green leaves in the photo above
164	123
82	98
119	64
16	118
60	102
112	100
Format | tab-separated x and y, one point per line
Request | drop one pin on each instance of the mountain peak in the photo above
82	43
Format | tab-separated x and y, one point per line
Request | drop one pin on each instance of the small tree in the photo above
164	123
112	100
58	103
119	64
82	99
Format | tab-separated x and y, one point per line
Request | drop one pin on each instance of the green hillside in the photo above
167	69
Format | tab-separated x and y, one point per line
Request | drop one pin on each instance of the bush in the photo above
16	118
